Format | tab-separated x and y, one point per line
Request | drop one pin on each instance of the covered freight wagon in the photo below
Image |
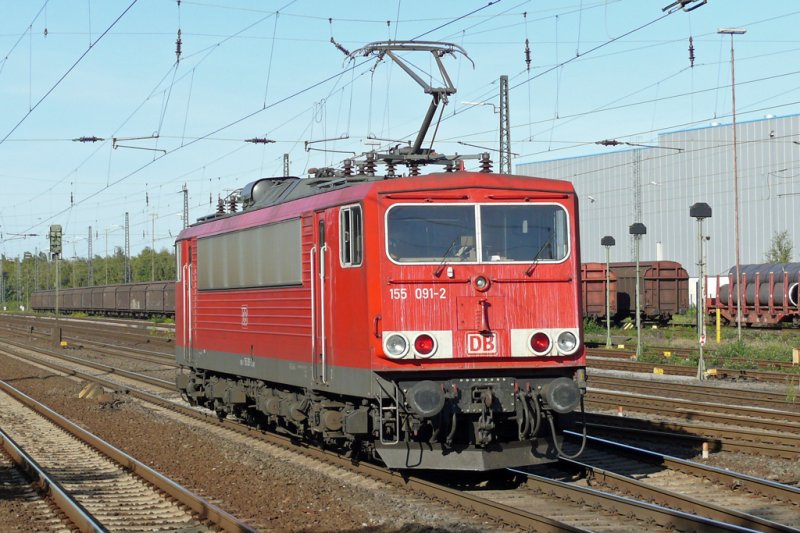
131	299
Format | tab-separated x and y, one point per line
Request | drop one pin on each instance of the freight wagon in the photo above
664	287
131	299
593	291
769	294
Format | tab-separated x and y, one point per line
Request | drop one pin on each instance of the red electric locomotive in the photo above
431	321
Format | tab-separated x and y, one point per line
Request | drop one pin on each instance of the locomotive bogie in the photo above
470	423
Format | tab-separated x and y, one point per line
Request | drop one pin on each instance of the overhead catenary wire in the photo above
353	74
271	53
70	69
205	54
669	127
217	130
22	35
558	65
606	108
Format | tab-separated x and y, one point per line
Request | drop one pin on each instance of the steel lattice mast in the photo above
505	128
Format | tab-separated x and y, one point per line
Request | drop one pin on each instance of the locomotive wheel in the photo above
188	399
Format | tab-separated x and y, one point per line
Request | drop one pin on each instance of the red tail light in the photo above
540	343
424	344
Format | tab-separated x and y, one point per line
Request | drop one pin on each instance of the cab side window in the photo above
351	236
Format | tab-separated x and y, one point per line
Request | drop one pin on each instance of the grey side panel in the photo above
342	380
265	256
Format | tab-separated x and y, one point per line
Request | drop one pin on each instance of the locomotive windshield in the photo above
469	233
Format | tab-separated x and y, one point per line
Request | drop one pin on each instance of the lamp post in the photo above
638	229
737	285
701	211
608	242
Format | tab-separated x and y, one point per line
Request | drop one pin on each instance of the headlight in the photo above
567	342
481	283
396	346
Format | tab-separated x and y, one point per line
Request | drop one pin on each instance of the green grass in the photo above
590	327
685	319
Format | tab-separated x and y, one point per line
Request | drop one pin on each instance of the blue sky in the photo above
613	69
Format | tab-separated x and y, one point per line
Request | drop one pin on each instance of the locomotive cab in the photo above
480	355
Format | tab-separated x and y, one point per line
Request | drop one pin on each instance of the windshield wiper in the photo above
438	271
533	264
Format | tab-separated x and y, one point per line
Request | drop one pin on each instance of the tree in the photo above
780	249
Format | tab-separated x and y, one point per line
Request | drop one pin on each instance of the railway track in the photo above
606	363
95	485
725	428
567	504
709	355
585	508
689	486
133	334
725	419
773	423
716	438
30	503
707	392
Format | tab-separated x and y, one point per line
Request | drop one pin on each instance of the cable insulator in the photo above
178	44
390	170
449	168
413	169
486	163
339	47
232	204
347	169
691	53
220	206
369	166
527	55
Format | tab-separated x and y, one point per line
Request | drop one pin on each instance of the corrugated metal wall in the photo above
671	181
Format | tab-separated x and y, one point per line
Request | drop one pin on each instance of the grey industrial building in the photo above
657	184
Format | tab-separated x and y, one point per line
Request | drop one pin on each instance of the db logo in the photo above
481	344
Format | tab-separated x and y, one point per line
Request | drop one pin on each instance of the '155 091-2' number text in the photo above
420	293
